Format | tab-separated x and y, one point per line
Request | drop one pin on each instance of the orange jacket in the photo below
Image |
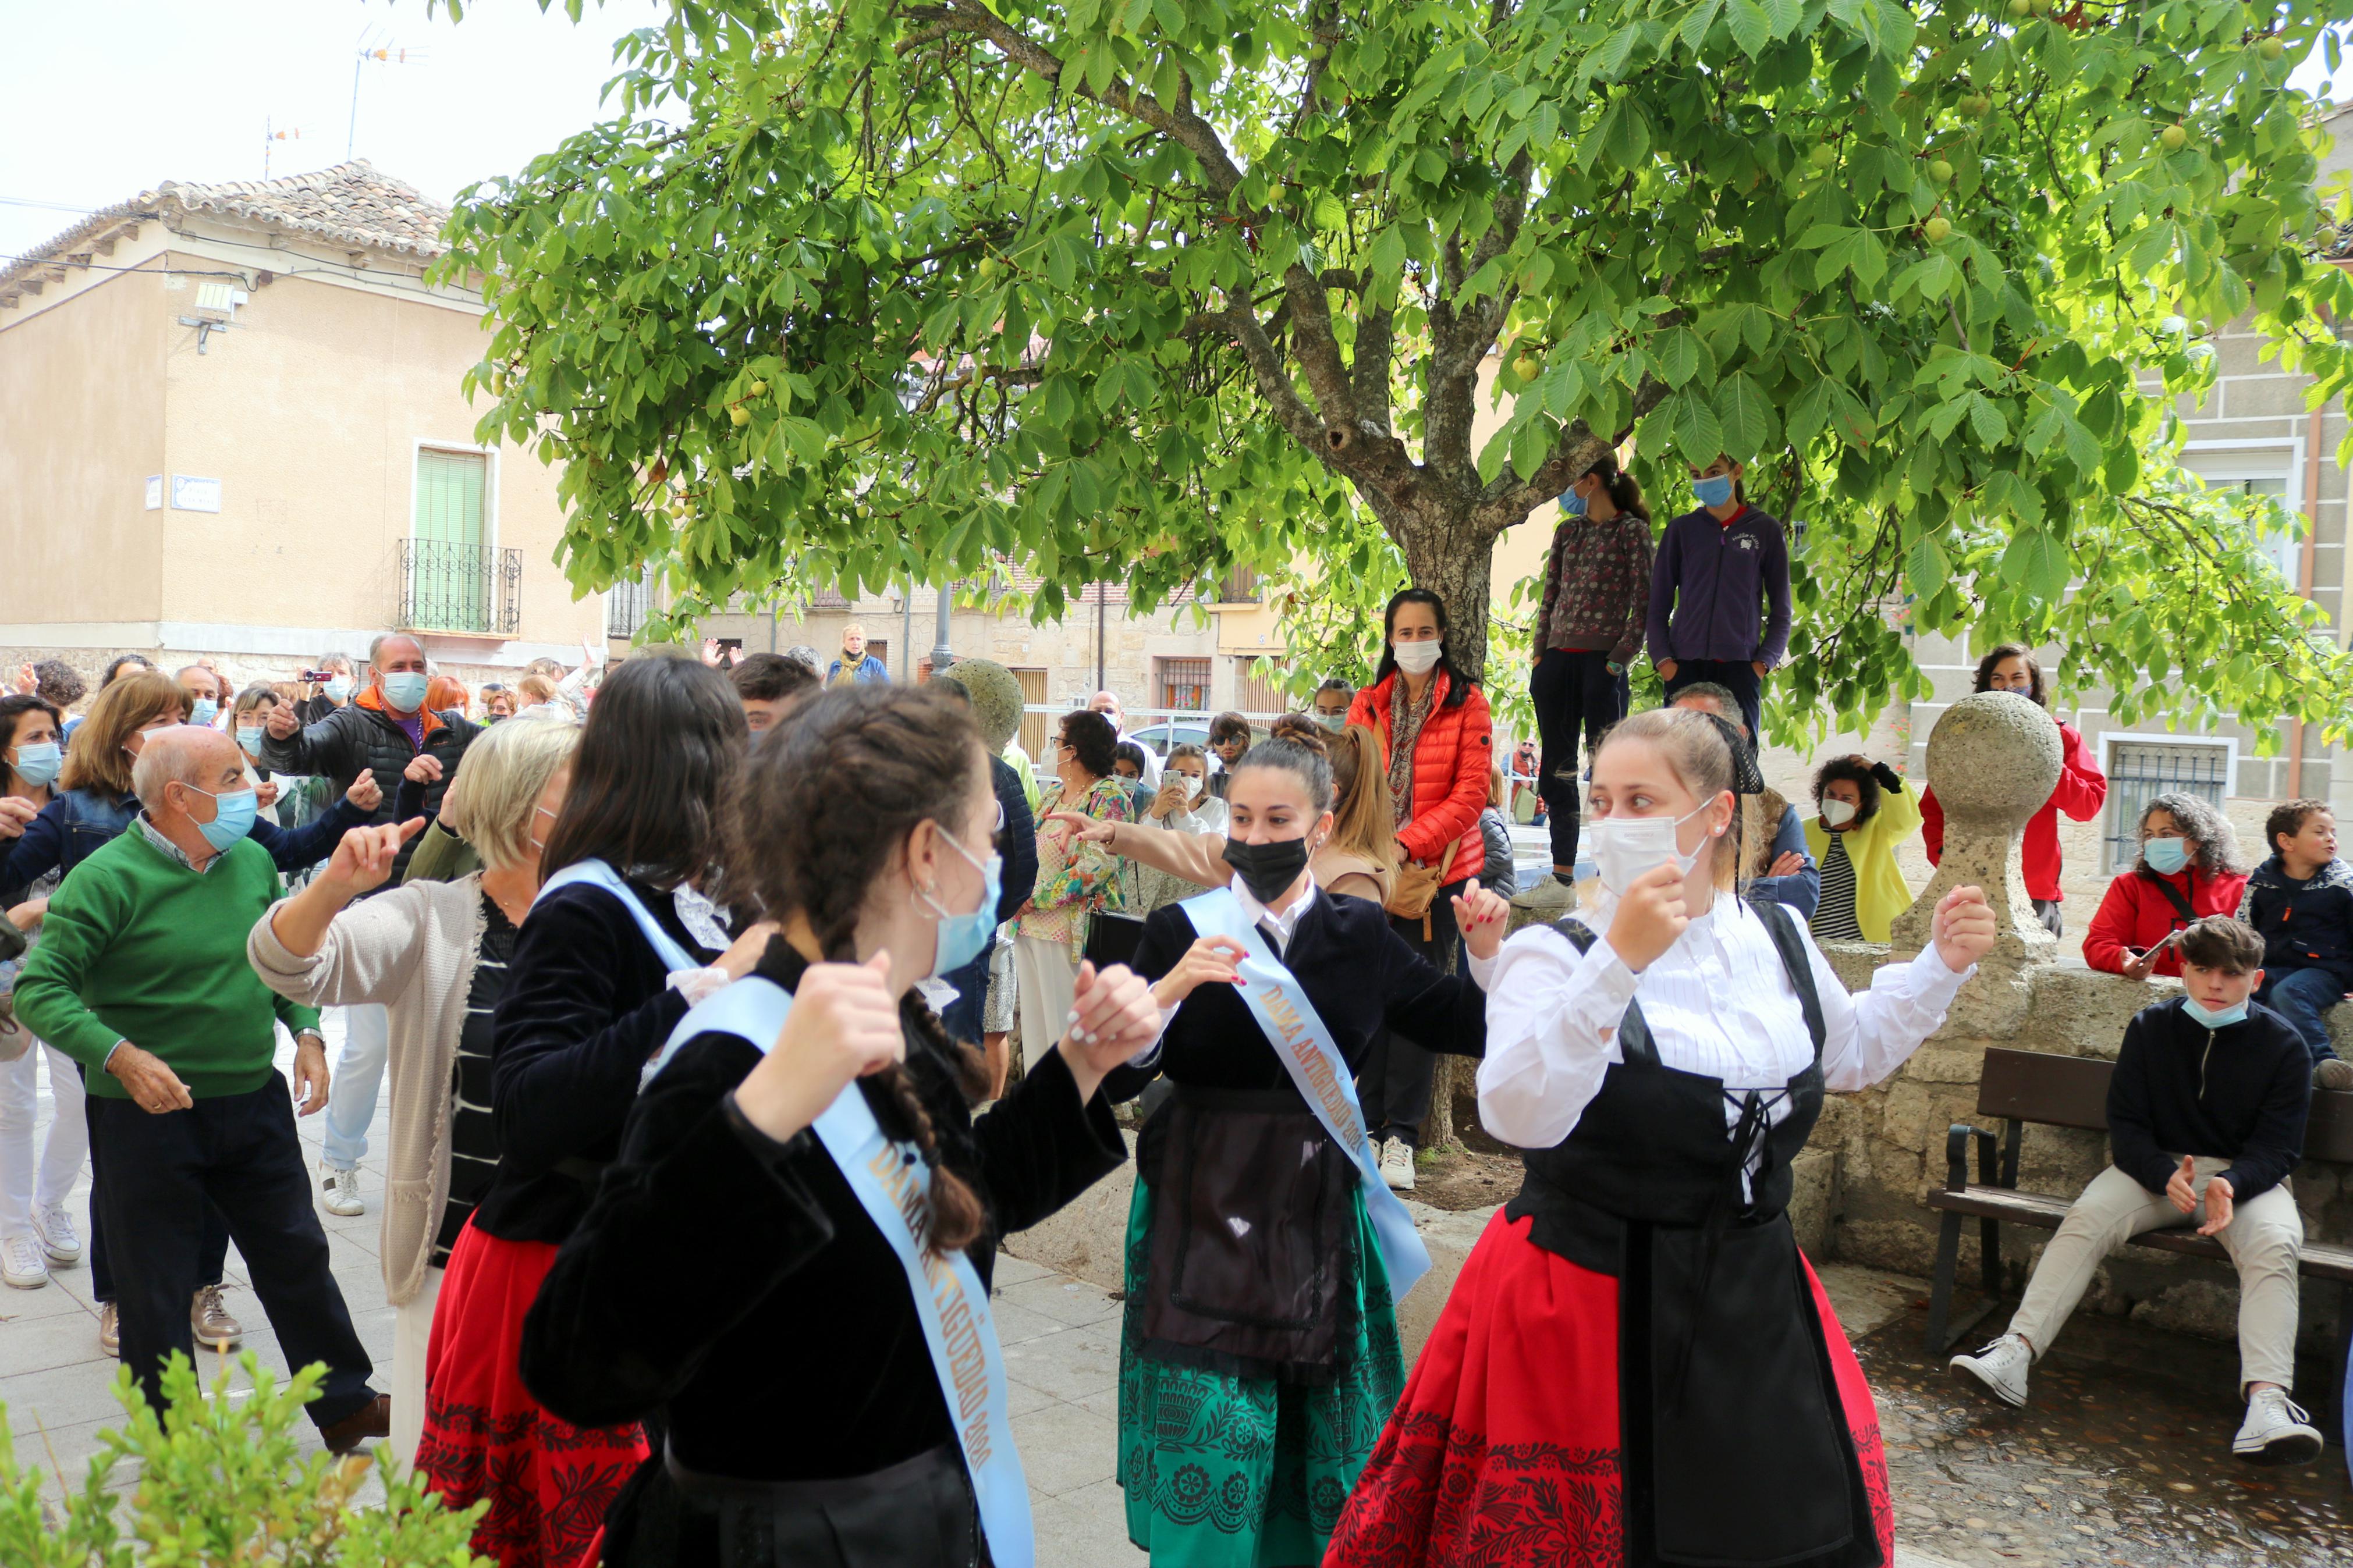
1452	763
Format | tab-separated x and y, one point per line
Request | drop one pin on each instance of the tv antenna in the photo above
382	52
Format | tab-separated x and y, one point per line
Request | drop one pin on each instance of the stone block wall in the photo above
1889	1144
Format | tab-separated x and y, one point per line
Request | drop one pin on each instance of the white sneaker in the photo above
54	1229
1397	1164
342	1190
21	1265
2276	1432
2332	1072
2002	1367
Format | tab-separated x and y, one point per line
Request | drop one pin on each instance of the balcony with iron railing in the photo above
471	590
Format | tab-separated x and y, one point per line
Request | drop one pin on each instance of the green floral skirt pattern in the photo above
1246	1473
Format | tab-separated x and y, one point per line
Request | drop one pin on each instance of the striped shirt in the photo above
1834	916
473	1135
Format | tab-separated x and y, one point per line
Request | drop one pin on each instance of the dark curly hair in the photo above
806	846
1854	770
1091	735
658	759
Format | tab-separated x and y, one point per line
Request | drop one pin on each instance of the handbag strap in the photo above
2172	896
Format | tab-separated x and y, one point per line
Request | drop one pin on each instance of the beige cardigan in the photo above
411	948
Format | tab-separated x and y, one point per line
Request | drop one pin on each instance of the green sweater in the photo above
138	947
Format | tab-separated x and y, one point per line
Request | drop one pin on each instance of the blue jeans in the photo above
352	1087
2301	996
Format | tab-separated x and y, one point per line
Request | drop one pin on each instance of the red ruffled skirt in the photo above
1504	1452
549	1482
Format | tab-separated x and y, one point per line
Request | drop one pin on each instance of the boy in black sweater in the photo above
2300	902
2205	1121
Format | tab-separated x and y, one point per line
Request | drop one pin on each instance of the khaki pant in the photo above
1048	975
2262	1237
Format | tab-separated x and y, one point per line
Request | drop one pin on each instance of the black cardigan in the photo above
1360	974
737	1283
2239	1093
587	1006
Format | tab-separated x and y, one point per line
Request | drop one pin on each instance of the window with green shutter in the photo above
450	566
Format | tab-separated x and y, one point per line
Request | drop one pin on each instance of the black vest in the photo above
1735	1446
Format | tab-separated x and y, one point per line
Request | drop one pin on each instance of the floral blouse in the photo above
1075	879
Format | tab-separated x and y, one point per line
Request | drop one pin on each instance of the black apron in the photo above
1736	1446
1251	1214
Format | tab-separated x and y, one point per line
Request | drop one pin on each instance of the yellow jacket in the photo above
1880	891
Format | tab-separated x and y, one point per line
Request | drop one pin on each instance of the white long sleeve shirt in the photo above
1718	1003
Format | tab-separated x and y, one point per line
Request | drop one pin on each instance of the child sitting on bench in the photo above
2205	1121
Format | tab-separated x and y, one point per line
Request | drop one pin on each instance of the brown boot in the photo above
371	1420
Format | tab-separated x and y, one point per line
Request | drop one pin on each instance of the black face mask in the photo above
1266	870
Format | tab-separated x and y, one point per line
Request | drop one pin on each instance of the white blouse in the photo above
1718	1003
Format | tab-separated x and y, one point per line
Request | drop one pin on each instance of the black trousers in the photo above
240	1153
1738	675
1575	695
1393	1085
212	1255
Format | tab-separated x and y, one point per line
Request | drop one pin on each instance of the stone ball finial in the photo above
1994	758
1993	761
996	693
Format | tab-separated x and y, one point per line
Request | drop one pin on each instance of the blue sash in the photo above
893	1183
596	874
1319	1070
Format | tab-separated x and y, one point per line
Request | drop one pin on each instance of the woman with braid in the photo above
824	1411
621	939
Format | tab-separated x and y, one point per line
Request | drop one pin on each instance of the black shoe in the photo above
371	1420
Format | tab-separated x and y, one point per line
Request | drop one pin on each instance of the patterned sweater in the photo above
1598	586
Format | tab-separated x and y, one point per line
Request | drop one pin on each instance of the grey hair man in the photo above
141	977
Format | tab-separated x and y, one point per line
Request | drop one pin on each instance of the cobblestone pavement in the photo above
2122	1459
2122	1455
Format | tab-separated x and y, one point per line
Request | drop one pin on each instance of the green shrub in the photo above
223	1482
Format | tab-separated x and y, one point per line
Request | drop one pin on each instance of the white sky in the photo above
99	102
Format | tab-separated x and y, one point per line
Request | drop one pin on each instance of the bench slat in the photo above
2073	1091
2316	1259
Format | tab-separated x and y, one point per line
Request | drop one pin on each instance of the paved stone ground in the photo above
2094	1472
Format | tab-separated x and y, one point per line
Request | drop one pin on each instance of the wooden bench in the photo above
2022	1087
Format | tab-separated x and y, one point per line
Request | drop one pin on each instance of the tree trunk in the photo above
1449	553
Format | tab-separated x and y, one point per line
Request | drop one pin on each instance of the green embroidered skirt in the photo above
1247	1473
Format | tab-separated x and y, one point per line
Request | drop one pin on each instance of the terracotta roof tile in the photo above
351	203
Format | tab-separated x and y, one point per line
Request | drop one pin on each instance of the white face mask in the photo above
1625	848
1192	787
1417	657
1838	812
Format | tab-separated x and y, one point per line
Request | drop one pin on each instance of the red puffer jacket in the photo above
1451	762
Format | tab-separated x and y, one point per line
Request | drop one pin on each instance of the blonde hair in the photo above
536	687
496	792
1364	817
1696	752
95	759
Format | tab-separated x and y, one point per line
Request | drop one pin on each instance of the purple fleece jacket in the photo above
1714	582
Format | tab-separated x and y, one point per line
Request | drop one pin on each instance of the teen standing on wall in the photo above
1588	630
1722	570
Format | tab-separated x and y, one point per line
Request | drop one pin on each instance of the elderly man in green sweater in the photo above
141	976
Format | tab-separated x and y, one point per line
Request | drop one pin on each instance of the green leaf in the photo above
2037	562
1925	567
1697	430
1677	352
1752	27
1746	415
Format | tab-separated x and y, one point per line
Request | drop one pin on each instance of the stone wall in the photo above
1889	1143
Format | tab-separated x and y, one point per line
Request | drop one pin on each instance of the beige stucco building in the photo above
231	424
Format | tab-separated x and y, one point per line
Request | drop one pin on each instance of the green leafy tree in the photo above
1142	288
